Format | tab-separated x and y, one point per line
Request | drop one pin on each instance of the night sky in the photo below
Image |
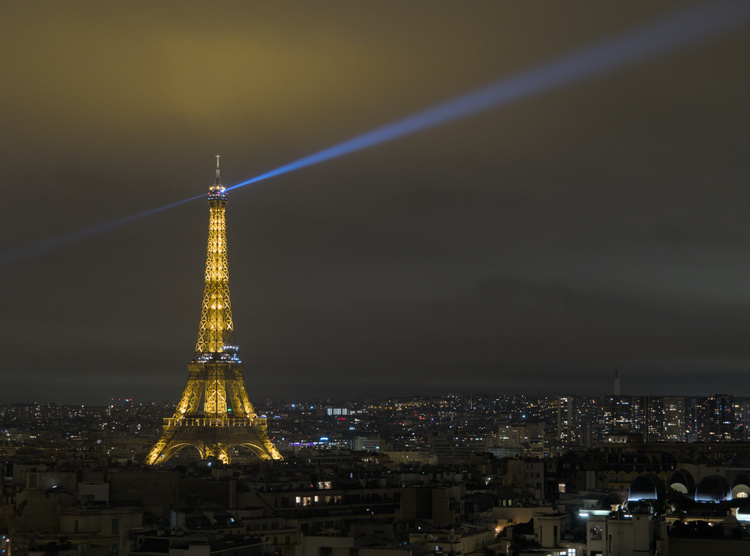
532	248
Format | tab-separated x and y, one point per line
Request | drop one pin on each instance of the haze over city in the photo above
533	247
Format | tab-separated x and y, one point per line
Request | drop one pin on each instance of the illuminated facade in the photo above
214	414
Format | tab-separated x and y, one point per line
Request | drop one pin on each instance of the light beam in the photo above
654	38
42	246
658	37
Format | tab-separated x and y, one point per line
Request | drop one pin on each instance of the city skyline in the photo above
536	247
563	422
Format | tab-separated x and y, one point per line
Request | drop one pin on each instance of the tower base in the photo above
213	437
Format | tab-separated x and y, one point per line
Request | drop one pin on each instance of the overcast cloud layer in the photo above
534	248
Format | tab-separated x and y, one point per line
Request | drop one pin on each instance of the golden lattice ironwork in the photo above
214	414
216	327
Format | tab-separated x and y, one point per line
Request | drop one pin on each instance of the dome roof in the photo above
682	481
741	486
646	487
713	488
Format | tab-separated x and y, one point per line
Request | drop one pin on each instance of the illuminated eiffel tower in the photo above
214	414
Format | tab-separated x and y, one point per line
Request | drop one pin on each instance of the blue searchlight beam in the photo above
43	246
658	37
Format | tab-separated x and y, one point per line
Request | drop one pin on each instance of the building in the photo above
214	414
714	418
675	429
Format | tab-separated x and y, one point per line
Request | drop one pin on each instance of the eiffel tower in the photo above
214	414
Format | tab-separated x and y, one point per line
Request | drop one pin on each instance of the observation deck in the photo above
215	422
227	355
217	192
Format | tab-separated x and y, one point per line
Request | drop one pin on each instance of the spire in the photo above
217	191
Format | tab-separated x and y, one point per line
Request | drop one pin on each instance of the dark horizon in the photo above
261	400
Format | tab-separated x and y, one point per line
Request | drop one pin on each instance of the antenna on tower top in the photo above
218	170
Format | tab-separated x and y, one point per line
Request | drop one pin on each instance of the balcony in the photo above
215	422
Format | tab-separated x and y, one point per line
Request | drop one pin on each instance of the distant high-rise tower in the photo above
674	419
566	431
214	414
715	418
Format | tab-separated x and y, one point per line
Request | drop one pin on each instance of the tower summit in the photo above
214	414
